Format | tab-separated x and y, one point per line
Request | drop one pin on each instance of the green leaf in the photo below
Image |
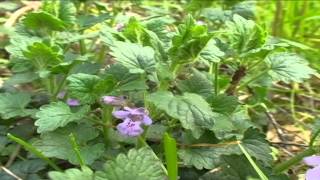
57	114
20	78
136	58
72	174
14	105
188	42
235	167
88	88
192	110
136	165
43	20
233	125
210	52
210	157
224	104
288	67
26	170
54	144
43	57
86	21
244	35
67	11
197	83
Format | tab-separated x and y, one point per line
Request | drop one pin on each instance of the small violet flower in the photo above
113	100
119	26
133	119
61	95
314	173
73	102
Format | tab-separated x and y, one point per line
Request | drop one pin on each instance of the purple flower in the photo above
132	118
73	102
119	26
314	173
113	100
130	128
61	94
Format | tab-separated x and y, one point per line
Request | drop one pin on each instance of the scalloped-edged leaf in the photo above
224	104
84	173
288	67
210	52
43	20
136	58
245	35
14	105
210	157
27	170
192	110
57	114
88	88
43	55
235	167
197	83
136	165
55	144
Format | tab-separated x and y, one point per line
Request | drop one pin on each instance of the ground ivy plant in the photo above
141	98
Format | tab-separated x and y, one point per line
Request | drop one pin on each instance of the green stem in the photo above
107	120
253	79
216	76
314	137
292	100
296	159
253	164
60	86
32	149
82	47
102	54
76	149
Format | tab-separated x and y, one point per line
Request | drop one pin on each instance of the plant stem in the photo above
60	86
32	149
292	100
278	18
296	159
82	47
102	54
107	120
253	164
216	76
76	149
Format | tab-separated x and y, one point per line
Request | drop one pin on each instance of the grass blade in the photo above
32	149
170	149
253	164
76	149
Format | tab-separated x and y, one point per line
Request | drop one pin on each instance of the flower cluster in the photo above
133	118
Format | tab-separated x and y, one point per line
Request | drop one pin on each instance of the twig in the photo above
276	126
13	156
30	5
10	173
289	144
